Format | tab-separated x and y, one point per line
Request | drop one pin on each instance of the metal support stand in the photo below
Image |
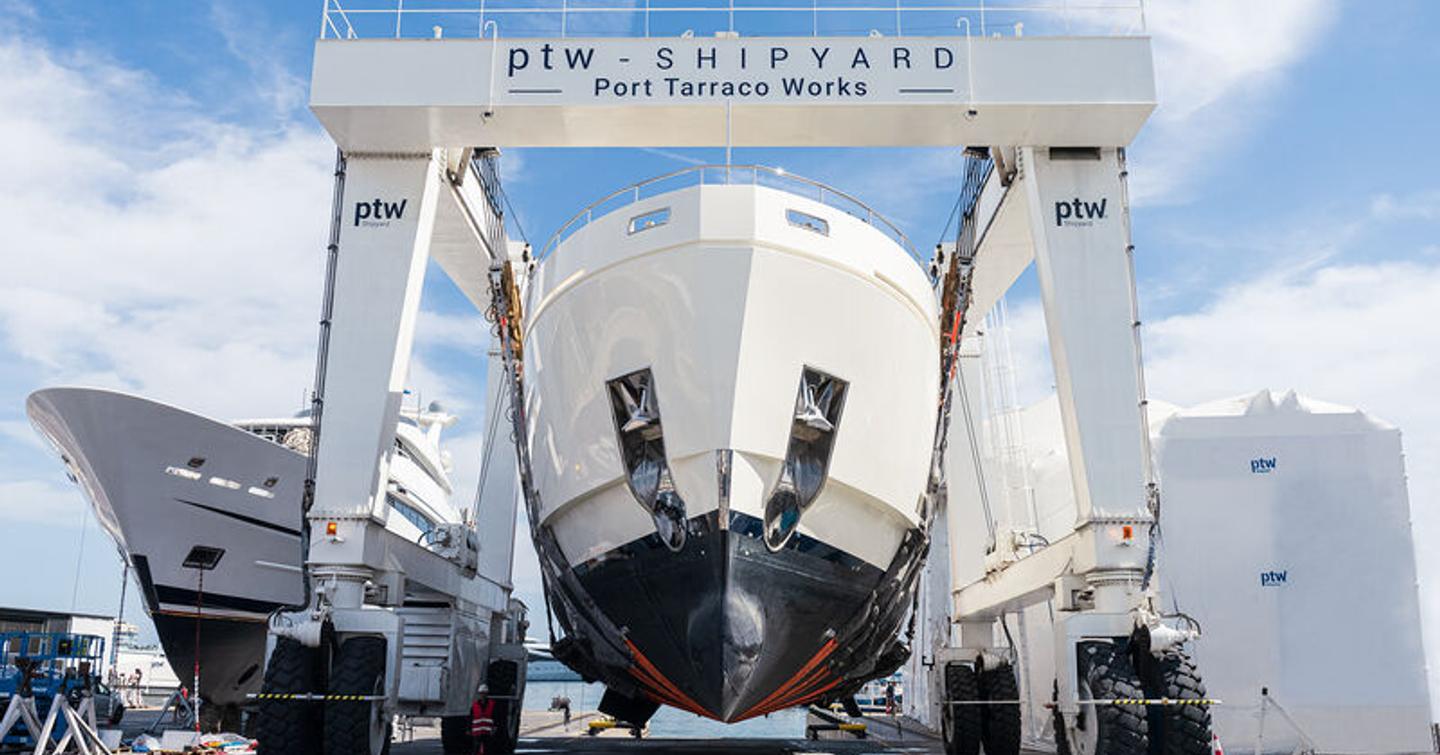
1306	746
21	710
176	705
80	729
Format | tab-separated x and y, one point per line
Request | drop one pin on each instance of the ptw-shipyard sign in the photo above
407	95
748	70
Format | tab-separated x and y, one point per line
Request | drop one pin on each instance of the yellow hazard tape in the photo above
1163	701
309	696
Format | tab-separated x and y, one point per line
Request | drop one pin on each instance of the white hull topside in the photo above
727	302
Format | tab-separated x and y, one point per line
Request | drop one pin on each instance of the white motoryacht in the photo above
207	514
732	379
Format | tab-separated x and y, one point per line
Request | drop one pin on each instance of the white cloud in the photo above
151	248
466	330
256	44
35	502
154	249
1216	62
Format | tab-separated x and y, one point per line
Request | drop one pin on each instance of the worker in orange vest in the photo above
482	719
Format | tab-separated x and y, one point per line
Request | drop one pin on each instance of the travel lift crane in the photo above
1123	675
407	115
390	626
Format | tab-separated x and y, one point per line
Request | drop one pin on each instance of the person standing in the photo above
482	719
564	705
136	700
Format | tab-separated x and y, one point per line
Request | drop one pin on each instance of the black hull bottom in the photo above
231	653
728	629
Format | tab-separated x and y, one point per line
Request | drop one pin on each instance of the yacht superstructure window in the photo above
812	223
652	219
411	514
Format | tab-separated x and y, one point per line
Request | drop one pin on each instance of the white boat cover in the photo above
1286	533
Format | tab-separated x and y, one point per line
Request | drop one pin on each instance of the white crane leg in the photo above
1079	228
386	215
1079	219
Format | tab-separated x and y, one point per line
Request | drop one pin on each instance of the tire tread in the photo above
289	727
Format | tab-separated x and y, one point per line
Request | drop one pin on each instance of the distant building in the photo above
30	620
155	671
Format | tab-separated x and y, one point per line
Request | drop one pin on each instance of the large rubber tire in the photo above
353	727
1177	729
1108	674
501	679
290	727
1000	723
455	735
961	725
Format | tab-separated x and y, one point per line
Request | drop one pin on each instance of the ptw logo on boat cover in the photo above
378	212
1077	212
1262	466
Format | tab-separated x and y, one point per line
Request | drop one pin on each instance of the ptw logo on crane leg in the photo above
1079	212
379	212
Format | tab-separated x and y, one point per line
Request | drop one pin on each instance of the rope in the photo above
975	453
485	452
959	198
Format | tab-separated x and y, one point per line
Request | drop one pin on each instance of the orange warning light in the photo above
331	527
1127	532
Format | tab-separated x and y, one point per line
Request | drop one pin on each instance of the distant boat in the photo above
172	487
874	697
550	670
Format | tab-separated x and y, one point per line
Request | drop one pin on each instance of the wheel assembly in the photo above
501	678
1176	729
356	727
455	735
290	727
961	724
1104	728
1000	717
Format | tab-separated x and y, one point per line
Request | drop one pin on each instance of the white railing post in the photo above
494	50
325	18
399	14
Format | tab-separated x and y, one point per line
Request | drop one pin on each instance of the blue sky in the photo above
163	195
